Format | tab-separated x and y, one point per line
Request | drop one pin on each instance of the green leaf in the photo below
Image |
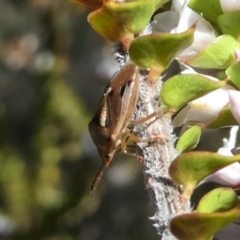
233	74
218	200
201	226
220	54
229	23
209	9
202	190
189	140
181	89
157	50
189	169
118	21
224	119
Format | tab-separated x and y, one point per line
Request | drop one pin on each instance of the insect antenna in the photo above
97	179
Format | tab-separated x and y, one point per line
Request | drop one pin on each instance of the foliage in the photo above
215	47
40	152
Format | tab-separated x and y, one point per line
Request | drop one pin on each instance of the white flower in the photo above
230	175
237	54
187	17
204	35
230	5
204	109
234	99
180	19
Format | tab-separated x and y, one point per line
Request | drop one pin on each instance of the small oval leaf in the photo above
189	139
229	23
218	200
201	190
233	74
210	10
220	54
189	169
118	21
181	89
159	49
224	119
201	226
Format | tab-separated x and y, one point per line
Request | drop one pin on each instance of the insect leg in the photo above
144	119
125	147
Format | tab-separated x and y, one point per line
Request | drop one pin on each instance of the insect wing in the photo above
123	98
116	106
99	127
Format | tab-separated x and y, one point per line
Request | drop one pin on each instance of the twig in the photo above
158	154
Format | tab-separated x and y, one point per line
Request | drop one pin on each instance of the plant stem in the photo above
158	154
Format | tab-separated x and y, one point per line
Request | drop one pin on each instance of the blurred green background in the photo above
53	69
